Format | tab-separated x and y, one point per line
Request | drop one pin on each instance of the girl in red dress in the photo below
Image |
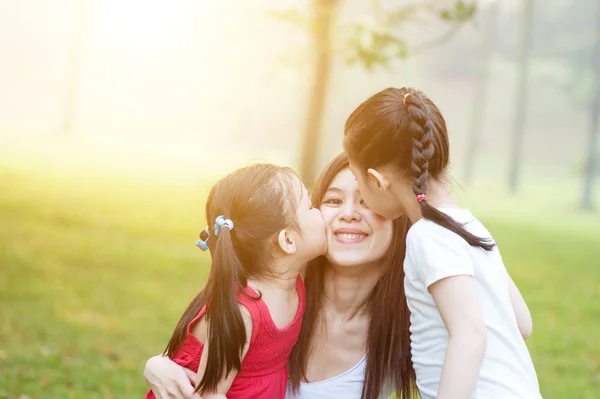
238	332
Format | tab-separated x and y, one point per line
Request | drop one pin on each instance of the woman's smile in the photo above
347	235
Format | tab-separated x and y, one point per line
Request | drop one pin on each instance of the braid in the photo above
421	129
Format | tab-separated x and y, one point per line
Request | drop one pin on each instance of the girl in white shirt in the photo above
468	319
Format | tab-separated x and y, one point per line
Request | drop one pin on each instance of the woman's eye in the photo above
363	203
333	201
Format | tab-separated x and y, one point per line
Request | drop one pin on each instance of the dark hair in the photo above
388	336
404	128
257	200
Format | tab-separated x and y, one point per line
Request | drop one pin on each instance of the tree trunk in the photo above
521	100
324	12
481	89
68	128
591	162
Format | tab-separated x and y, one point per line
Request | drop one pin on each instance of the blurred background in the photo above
116	116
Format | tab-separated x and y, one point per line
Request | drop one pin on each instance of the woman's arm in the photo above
168	380
225	383
520	308
457	302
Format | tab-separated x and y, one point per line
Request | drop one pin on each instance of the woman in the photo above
355	306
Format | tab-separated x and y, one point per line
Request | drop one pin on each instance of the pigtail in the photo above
421	129
226	330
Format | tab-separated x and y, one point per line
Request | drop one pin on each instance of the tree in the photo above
591	163
481	88
563	54
521	96
369	46
324	12
567	58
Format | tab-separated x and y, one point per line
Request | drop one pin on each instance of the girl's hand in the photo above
168	380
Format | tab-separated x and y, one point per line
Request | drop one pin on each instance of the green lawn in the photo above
95	272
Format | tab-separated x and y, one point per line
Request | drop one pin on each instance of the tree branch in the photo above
378	45
445	38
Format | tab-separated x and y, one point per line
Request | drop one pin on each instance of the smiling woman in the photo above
355	341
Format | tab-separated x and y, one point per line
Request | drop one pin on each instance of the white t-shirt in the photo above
434	253
347	385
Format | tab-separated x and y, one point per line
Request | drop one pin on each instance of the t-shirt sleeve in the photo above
439	253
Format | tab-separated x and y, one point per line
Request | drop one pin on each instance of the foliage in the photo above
378	42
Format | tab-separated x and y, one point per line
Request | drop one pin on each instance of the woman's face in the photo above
355	235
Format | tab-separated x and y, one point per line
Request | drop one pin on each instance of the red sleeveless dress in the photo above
264	373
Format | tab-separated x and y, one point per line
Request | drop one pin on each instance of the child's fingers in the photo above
187	390
160	393
191	375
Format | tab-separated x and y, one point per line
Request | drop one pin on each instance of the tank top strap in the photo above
195	319
251	302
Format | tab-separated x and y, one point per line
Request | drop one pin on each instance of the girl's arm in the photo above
168	380
520	308
457	302
225	383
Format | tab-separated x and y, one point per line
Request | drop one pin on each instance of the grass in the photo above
95	272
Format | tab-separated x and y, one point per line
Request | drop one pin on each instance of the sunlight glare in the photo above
146	25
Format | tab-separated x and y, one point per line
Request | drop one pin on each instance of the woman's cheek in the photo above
381	225
328	215
376	221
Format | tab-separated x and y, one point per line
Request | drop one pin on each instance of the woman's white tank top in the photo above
347	385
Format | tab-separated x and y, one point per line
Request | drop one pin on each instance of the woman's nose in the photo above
349	213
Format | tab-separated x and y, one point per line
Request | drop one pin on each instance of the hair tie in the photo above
203	244
404	99
421	197
222	222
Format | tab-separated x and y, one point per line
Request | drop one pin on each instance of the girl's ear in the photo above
287	242
379	179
